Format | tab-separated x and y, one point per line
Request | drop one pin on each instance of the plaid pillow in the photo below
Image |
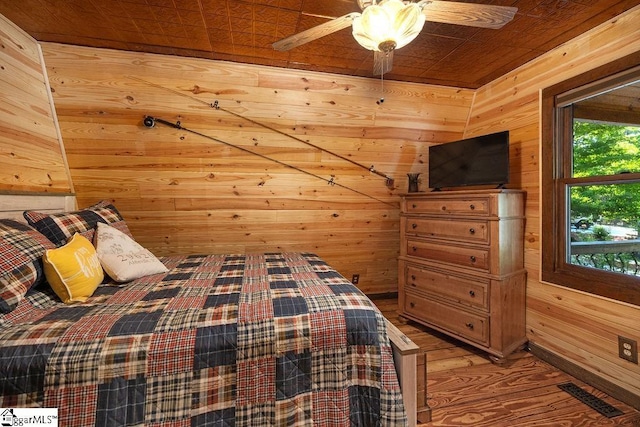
21	249
60	227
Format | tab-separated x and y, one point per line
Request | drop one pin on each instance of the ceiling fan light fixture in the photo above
387	46
388	21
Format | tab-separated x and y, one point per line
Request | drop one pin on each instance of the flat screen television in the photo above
481	160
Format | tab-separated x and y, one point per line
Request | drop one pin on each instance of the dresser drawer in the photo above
476	206
458	255
468	325
473	292
462	230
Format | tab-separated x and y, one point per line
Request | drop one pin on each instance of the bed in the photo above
216	340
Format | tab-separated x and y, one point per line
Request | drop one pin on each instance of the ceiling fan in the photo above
386	25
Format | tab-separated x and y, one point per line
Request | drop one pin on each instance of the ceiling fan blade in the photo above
469	14
316	32
382	62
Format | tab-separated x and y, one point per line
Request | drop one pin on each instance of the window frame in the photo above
555	171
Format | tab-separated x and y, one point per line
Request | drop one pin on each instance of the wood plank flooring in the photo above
465	389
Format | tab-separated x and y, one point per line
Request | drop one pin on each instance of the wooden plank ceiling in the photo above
243	31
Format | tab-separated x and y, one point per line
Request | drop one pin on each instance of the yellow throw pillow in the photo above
73	270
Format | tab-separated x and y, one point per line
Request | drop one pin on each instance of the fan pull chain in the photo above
381	100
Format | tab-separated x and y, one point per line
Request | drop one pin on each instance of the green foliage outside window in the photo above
603	150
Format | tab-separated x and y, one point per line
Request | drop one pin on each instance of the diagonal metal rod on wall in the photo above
388	180
150	121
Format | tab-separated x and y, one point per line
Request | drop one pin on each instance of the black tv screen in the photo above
482	160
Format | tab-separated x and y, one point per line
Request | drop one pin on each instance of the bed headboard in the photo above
12	205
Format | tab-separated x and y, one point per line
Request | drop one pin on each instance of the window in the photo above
591	181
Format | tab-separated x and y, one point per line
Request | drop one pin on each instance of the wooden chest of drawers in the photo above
461	266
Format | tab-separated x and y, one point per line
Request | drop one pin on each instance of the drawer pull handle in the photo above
412	304
472	258
472	294
444	208
413	277
414	206
414	226
472	207
472	231
469	325
414	249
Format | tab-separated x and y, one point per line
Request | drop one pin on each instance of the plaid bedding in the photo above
220	340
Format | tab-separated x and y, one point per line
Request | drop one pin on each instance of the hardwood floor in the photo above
465	389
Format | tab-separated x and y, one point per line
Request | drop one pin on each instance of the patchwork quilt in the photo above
276	339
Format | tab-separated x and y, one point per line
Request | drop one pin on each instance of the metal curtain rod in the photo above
388	180
150	122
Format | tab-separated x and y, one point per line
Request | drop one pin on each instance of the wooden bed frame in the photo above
404	350
12	205
405	358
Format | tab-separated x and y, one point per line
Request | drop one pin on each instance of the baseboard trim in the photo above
386	295
586	376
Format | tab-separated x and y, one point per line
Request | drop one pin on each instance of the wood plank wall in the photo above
184	193
579	327
31	157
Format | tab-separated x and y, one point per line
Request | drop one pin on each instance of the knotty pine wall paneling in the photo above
579	327
31	153
183	193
